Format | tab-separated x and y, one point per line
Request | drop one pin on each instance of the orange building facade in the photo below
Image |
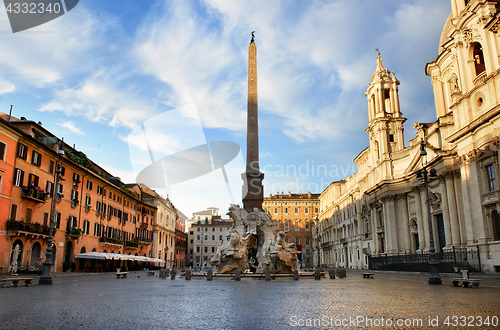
94	211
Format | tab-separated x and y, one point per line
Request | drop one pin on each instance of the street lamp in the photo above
433	264
319	240
46	278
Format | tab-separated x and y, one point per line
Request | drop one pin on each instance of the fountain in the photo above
254	245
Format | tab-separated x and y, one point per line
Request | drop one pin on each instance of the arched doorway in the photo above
19	256
81	262
35	260
68	255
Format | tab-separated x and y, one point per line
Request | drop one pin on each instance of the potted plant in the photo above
65	266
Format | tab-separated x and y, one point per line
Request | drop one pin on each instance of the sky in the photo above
134	84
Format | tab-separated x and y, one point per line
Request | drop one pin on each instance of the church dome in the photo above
444	34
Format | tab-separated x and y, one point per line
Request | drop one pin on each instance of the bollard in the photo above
317	274
188	275
237	275
331	272
209	274
267	275
296	275
172	274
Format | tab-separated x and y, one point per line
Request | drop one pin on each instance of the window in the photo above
220	229
88	201
99	190
22	151
275	210
296	210
49	187
86	227
206	237
391	137
197	237
59	191
213	249
308	226
213	228
18	177
286	210
306	210
36	158
478	58
308	241
316	210
206	229
491	177
495	218
198	228
89	185
33	180
297	225
57	220
13	211
206	249
51	167
297	240
2	150
213	237
220	237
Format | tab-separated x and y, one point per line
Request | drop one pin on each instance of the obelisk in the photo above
253	192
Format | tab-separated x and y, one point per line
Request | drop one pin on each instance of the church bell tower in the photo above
385	121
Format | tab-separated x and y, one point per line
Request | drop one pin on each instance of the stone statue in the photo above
254	245
253	37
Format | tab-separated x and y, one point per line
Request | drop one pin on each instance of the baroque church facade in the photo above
382	209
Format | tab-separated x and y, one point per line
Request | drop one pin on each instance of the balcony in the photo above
144	225
88	207
31	230
73	233
131	244
114	242
75	202
34	194
343	240
490	197
144	240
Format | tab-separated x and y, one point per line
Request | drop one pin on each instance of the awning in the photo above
116	256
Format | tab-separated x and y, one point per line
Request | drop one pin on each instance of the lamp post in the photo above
46	278
433	264
319	240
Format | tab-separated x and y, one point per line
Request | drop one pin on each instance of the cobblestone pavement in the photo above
389	301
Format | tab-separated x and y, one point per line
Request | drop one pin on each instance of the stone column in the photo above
390	224
466	198
446	214
405	222
452	208
420	220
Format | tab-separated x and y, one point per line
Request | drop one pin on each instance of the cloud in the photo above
99	99
6	87
39	59
71	127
